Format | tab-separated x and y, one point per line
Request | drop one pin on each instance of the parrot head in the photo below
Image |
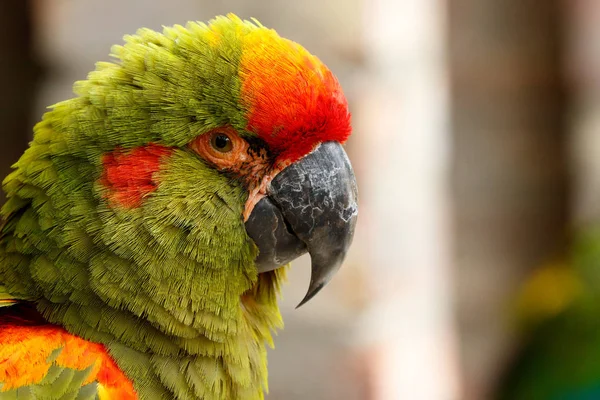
153	211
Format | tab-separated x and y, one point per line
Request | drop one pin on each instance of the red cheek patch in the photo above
129	175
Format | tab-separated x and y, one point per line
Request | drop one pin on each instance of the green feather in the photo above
169	287
59	384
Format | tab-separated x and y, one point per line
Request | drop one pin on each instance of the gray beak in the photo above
311	207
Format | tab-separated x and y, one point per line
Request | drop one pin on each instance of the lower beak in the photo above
311	206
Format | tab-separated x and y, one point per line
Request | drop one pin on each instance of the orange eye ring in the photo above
222	147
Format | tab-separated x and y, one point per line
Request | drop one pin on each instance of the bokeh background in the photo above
477	150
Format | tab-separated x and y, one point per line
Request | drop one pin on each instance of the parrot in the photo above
558	313
149	225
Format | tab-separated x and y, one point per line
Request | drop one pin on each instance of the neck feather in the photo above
164	365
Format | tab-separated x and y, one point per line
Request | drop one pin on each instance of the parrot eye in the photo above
222	147
221	142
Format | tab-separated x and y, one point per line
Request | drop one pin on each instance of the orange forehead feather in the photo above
293	101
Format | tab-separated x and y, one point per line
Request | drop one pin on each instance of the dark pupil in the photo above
221	141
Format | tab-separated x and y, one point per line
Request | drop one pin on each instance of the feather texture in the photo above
126	241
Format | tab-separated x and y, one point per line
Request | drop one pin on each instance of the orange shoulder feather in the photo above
25	351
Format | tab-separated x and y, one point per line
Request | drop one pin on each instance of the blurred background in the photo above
476	146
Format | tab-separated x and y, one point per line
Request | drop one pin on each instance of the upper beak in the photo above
311	206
